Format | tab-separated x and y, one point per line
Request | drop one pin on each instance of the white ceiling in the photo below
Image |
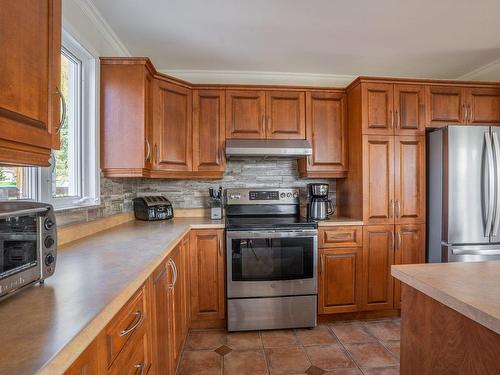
418	38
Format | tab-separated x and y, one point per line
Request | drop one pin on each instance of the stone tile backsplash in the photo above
117	193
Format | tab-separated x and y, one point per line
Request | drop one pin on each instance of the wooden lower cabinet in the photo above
207	276
410	249
378	257
339	280
87	363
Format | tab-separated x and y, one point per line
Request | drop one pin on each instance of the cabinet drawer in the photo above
125	325
135	359
341	237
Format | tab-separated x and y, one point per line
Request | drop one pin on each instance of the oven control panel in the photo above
262	196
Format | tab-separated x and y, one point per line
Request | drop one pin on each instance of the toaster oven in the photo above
28	244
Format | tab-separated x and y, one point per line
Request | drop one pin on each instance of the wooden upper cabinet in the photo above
378	256
173	146
409	249
340	278
209	130
207	275
445	105
245	114
285	115
378	179
409	179
409	109
30	75
483	105
127	115
377	108
326	130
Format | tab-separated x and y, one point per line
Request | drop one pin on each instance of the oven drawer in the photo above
348	236
126	325
245	314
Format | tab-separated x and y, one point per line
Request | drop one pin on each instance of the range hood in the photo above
288	148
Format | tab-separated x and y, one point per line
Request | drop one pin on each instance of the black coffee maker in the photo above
319	206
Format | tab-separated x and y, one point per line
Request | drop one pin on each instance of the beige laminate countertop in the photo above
44	328
471	288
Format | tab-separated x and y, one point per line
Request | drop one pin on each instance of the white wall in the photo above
81	19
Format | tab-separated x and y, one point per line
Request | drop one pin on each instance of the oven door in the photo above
19	255
271	263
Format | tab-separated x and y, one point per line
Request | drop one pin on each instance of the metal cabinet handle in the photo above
175	272
393	242
140	368
491	185
169	263
156	153
137	322
396	118
397	208
263	119
399	240
269	123
148	150
391	208
63	114
220	246
322	264
391	114
469	110
496	148
465	113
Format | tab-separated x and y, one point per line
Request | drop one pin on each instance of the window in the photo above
73	177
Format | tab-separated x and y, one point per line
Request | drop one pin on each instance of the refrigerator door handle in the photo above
496	147
474	252
491	185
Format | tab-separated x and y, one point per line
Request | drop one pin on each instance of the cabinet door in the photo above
285	115
209	130
245	114
87	363
409	109
409	179
207	275
377	108
444	105
340	278
173	128
326	130
30	39
179	305
162	322
483	106
410	249
378	256
378	179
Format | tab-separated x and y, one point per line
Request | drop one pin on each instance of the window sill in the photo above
76	207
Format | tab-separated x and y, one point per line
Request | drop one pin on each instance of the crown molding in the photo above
90	10
476	73
259	78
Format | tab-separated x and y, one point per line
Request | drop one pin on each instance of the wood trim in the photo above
359	315
70	233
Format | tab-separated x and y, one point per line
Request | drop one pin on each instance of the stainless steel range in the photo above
272	257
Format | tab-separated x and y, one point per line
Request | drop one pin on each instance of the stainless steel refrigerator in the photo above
463	190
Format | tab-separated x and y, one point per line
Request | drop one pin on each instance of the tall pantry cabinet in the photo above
386	182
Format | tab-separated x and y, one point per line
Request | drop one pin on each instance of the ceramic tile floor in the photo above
342	348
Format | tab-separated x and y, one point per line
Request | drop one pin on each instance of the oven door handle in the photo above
272	234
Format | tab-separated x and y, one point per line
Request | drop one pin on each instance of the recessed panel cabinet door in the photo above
445	105
483	106
245	114
30	75
172	150
285	115
377	108
340	277
326	131
207	275
208	130
378	179
378	256
409	110
87	363
409	179
410	249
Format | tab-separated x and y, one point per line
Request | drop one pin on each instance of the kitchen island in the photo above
450	318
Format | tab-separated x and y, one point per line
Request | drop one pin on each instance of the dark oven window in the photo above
270	259
18	244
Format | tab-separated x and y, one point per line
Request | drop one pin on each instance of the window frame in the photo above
88	173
